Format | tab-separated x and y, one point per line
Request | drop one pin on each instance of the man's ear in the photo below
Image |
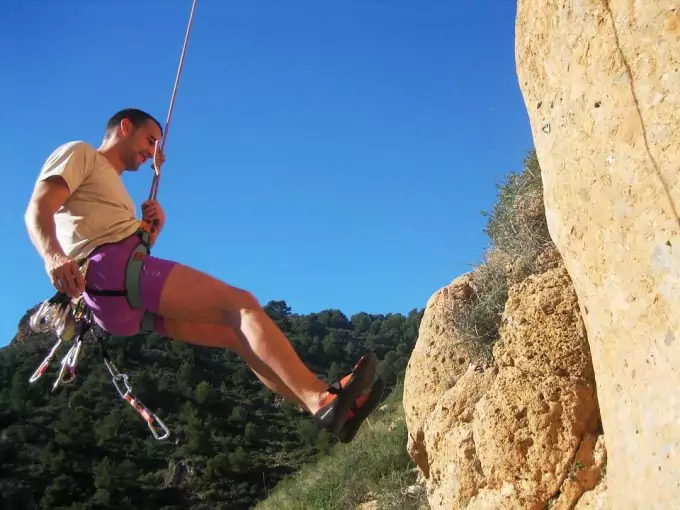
126	127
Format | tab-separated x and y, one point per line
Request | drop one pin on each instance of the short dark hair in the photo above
134	115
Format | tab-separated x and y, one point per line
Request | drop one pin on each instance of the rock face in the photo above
520	433
601	83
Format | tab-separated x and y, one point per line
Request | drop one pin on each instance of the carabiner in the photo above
68	366
120	391
45	363
40	320
155	432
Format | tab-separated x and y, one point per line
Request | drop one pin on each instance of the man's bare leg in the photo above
216	335
193	296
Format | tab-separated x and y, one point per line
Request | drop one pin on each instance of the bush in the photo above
518	233
517	223
479	321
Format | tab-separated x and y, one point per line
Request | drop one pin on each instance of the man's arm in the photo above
48	196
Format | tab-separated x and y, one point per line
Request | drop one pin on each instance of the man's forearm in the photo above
43	231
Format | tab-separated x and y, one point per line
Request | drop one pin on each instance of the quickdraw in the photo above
125	392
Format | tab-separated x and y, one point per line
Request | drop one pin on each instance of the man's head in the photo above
133	133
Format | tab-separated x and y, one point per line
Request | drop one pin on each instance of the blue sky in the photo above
332	154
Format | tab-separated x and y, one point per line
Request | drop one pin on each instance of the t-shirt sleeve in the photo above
69	161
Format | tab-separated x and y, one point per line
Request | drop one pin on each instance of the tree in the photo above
250	432
334	372
186	373
388	368
361	322
105	481
238	415
217	467
280	312
60	493
331	345
238	460
74	429
334	319
204	393
108	429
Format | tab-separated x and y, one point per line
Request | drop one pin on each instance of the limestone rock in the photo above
438	359
601	83
527	429
595	499
454	469
543	332
585	472
505	436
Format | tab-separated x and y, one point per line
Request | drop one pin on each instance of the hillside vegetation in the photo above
231	442
375	469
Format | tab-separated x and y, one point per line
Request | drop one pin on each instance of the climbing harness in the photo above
133	271
72	319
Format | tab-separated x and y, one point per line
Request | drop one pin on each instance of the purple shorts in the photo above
107	272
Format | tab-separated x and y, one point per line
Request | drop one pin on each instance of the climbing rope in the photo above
157	171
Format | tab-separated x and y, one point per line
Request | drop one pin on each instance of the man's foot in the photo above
342	395
364	405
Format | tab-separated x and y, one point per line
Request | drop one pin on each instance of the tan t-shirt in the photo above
99	209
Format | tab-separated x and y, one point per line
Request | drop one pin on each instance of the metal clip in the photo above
40	321
43	366
67	374
125	392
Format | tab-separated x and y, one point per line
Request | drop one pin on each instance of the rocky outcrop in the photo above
601	83
513	434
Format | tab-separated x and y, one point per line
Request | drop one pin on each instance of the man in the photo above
80	210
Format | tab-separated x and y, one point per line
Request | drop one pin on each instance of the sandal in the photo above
364	405
343	393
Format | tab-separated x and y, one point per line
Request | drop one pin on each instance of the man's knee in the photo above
241	304
248	301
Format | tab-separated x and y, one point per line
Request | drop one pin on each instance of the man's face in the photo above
139	143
